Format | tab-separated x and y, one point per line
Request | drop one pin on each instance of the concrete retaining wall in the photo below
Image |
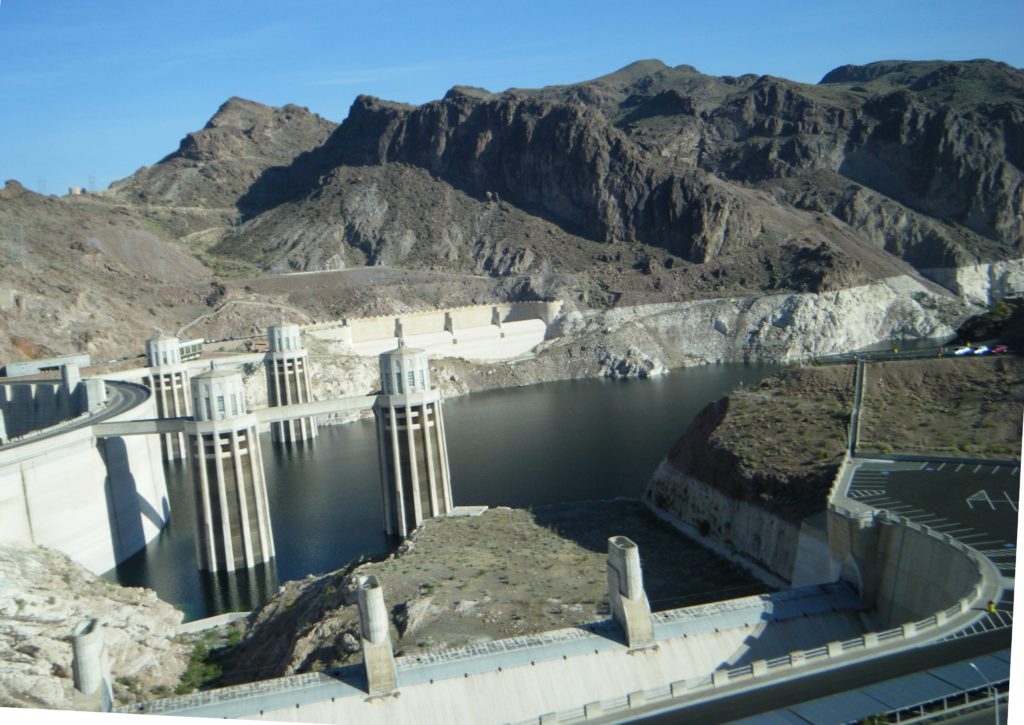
99	501
741	527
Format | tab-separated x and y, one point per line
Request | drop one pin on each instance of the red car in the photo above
1000	349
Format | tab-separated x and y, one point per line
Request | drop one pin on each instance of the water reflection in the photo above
238	591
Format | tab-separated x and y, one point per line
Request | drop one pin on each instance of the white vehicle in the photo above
983	350
965	350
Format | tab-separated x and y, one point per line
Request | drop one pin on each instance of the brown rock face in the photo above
918	162
216	166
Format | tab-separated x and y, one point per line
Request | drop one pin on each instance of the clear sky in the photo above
98	88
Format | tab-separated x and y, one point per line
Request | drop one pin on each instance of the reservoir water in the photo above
548	443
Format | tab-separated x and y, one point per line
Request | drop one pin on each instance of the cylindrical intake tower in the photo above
413	452
230	491
168	379
287	365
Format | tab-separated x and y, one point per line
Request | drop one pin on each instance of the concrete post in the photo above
95	395
870	640
758	668
909	629
89	668
835	649
626	596
70	377
378	659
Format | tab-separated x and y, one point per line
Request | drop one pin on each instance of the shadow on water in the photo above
556	442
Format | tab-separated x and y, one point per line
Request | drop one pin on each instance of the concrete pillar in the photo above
89	669
870	640
288	382
626	596
3	428
415	479
229	487
909	629
378	659
719	678
758	668
835	649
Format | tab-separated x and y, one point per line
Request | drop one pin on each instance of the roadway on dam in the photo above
121	397
785	693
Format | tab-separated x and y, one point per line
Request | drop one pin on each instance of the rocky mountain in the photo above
835	182
648	185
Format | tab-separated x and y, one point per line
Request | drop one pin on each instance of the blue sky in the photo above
101	87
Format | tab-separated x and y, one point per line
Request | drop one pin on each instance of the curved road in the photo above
121	397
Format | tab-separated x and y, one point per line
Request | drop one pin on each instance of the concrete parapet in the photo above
719	678
636	699
797	657
592	710
548	718
870	640
90	672
940	618
835	649
381	677
678	689
629	604
909	629
758	668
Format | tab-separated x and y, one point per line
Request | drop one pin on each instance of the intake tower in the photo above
287	364
229	488
169	381
414	474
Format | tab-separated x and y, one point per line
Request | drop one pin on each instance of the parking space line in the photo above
960	531
1014	471
977	544
941	466
977	468
994	470
1010	501
944	528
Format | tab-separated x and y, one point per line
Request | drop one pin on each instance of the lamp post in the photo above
995	693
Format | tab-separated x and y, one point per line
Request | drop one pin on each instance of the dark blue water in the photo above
548	443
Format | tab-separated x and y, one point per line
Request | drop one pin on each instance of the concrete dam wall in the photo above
97	500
